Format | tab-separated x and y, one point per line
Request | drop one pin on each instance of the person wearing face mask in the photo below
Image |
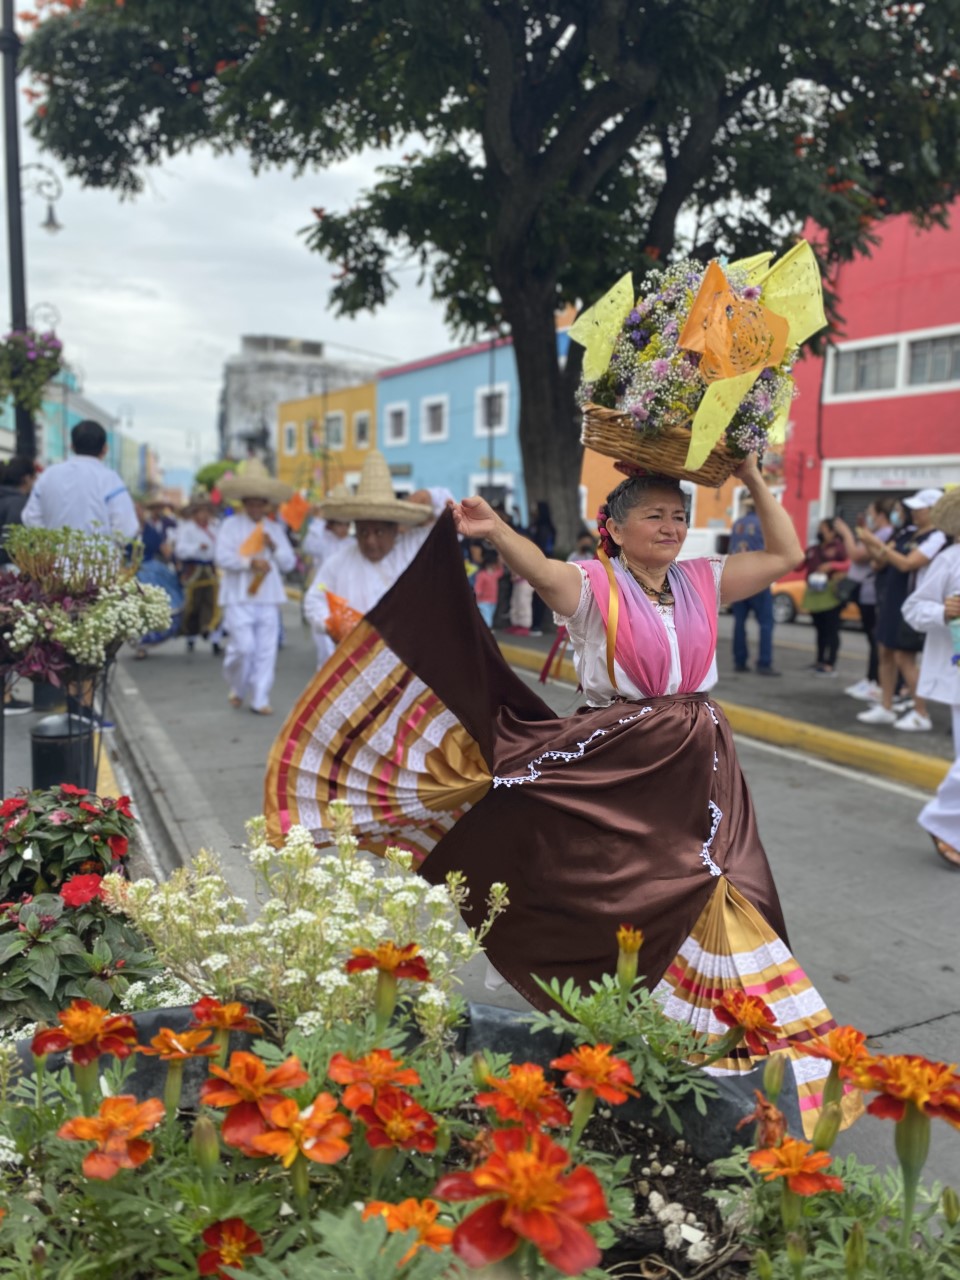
825	562
901	564
863	572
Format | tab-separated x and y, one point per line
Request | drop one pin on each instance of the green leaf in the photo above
43	964
12	946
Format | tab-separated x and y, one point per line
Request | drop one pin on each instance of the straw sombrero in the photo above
374	499
945	513
254	481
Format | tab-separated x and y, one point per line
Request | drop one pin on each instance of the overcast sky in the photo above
154	294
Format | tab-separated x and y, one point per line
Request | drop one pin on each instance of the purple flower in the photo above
751	292
637	411
766	374
634	317
660	368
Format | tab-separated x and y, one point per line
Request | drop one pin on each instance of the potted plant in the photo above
28	360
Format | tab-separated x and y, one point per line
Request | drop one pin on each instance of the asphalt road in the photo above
870	909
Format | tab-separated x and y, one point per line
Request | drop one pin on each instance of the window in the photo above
434	424
395	418
935	360
868	369
490	410
334	428
361	430
291	437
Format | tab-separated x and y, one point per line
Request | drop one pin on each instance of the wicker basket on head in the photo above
615	434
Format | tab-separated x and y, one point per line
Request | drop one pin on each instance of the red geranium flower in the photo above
88	1031
591	1067
251	1092
116	1130
233	1016
395	1120
525	1096
87	807
368	1075
122	805
118	846
11	806
529	1197
230	1241
68	789
79	890
737	1009
402	962
799	1164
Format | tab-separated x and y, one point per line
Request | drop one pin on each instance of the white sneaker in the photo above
864	690
914	722
900	705
877	715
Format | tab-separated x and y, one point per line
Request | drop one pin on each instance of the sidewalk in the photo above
799	709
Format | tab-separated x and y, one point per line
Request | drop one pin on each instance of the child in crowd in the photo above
486	584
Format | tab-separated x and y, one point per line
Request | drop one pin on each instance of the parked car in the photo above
788	598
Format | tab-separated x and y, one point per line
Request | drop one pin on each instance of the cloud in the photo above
154	294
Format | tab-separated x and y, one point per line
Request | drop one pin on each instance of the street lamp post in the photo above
9	50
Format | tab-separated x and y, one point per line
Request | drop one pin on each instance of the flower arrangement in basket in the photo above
28	360
694	374
72	604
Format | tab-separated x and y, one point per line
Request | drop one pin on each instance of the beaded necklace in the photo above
661	595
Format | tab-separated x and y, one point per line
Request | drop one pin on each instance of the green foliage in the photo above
28	360
209	477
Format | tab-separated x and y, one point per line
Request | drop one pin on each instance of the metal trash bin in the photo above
61	750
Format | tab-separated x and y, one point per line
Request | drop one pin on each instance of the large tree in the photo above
551	146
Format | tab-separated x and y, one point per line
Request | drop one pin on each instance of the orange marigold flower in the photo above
842	1045
395	1120
87	1031
178	1046
413	1215
402	962
525	1096
629	939
736	1008
366	1076
251	1092
530	1196
317	1132
770	1121
233	1016
933	1087
799	1164
116	1130
591	1067
230	1241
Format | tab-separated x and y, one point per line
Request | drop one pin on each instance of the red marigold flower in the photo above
13	805
366	1076
402	962
736	1008
87	1031
933	1087
178	1046
591	1067
530	1196
79	890
251	1091
232	1016
118	846
525	1096
843	1045
68	789
799	1164
230	1241
413	1215
317	1132
395	1120
116	1130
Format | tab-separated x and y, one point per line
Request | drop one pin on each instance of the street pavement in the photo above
870	908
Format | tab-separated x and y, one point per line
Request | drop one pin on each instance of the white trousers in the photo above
253	637
941	817
325	647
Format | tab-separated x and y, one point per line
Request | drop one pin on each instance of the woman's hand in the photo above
748	469
951	608
474	518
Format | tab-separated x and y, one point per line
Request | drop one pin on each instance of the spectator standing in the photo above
747	535
82	492
586	548
486	585
543	532
902	562
863	572
824	564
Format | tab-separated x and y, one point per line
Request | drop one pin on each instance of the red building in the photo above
881	413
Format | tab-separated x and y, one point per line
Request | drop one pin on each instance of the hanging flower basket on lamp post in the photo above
28	361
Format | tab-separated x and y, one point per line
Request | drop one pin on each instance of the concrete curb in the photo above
910	767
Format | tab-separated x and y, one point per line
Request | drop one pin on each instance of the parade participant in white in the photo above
390	532
82	492
322	541
251	588
931	609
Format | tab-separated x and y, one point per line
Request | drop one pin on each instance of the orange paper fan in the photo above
342	618
255	544
736	335
294	512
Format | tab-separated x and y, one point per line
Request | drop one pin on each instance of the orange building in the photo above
323	439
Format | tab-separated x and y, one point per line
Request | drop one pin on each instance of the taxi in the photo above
788	597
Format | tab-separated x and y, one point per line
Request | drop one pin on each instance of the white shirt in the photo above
321	543
923	610
589	635
192	542
361	582
930	547
235	576
81	493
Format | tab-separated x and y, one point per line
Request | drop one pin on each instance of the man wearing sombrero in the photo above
390	532
252	552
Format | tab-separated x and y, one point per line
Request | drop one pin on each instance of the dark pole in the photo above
9	50
490	423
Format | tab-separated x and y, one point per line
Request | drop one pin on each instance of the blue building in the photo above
452	419
64	405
